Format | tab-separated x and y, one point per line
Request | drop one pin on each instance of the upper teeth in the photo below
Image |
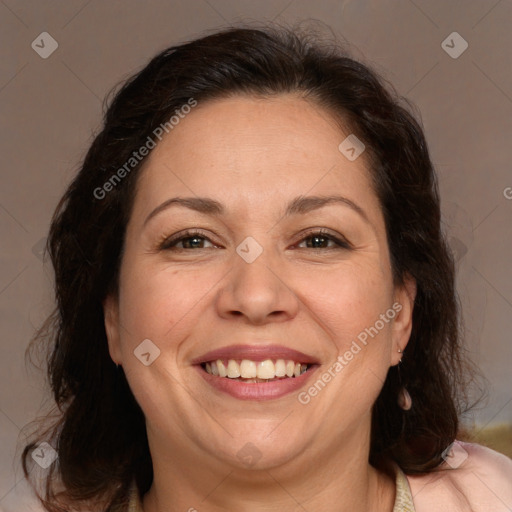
248	369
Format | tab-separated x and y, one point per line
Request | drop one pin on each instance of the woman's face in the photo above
236	271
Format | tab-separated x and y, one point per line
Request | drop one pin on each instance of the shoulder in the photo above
473	478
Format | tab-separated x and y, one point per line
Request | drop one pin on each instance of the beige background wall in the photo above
50	107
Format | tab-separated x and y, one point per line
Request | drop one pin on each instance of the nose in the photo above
257	292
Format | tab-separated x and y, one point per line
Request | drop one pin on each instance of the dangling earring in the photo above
117	378
404	398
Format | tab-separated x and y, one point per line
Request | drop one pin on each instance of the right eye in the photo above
188	240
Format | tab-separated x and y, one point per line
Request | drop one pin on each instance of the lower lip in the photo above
257	390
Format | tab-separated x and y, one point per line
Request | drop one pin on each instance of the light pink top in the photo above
473	479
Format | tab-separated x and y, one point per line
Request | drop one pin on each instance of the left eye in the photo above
321	241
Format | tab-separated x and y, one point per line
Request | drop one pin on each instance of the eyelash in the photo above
168	243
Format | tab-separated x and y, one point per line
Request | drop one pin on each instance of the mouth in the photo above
249	371
256	372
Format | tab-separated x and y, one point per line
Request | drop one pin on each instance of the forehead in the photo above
250	151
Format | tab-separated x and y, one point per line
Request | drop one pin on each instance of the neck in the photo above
338	480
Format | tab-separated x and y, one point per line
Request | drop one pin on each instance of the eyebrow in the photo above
298	206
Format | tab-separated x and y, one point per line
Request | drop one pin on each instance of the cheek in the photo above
160	304
346	301
348	306
156	300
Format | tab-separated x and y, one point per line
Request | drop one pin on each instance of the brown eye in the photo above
323	240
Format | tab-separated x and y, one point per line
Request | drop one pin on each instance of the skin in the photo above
254	155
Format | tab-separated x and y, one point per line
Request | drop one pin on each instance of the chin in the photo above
263	451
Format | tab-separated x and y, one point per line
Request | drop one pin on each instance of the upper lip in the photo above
256	353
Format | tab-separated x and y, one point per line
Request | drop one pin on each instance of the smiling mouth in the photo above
249	371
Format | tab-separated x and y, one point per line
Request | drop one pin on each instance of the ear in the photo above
402	324
111	315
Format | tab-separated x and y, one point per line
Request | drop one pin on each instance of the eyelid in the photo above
166	241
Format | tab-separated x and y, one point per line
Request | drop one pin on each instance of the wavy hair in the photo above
99	432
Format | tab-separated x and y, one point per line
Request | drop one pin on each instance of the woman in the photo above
256	304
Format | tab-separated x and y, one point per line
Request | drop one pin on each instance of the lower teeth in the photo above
255	380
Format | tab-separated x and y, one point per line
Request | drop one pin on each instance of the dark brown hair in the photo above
100	433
